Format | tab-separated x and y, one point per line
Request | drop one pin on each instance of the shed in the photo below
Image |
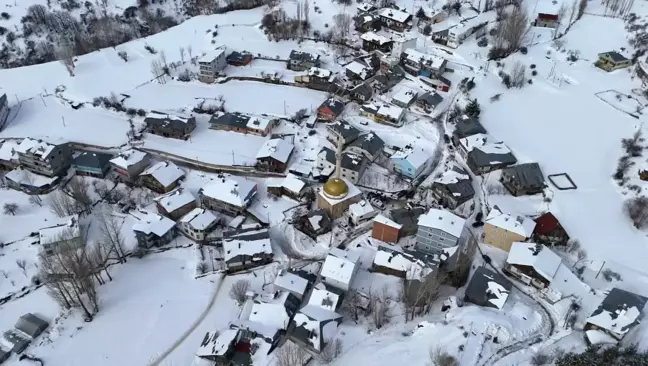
31	325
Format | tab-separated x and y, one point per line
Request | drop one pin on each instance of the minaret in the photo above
338	159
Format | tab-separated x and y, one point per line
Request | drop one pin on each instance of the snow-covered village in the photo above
323	182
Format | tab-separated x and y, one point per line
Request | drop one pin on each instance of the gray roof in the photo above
392	77
31	325
92	160
527	175
363	89
618	299
468	126
477	289
247	233
353	161
369	142
303	56
236	56
330	154
345	129
444	80
462	188
165	119
432	99
406	217
230	119
334	105
480	158
616	57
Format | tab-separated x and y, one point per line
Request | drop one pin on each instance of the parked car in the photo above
479	216
478	224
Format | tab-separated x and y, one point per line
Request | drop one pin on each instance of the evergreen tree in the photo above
420	13
473	109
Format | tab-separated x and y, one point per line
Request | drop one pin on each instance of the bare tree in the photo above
518	75
99	255
637	210
65	55
190	51
36	200
351	304
182	54
331	351
239	291
61	204
380	303
342	23
158	71
582	5
111	236
291	355
22	264
440	357
419	294
512	29
78	190
10	208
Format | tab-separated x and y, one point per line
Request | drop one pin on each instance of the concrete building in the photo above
44	158
211	63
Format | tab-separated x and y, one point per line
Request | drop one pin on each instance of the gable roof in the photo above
165	172
352	162
128	158
546	223
231	190
615	56
237	56
334	105
457	182
394	257
619	311
417	157
339	268
363	89
527	175
303	56
542	259
175	199
323	297
433	99
359	68
369	142
199	218
466	126
246	243
293	183
276	149
327	154
152	223
31	325
395	14
443	220
380	218
235	119
520	225
490	287
344	129
92	159
492	154
291	282
154	118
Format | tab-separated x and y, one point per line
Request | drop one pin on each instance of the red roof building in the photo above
549	229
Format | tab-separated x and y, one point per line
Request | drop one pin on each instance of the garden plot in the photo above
622	102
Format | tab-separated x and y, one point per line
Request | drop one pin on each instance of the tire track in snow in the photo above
196	323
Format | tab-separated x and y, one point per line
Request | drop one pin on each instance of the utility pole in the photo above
599	272
233	163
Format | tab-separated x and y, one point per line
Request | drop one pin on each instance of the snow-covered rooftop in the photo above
499	293
431	61
338	269
152	223
416	156
36	147
394	14
165	172
175	199
269	318
414	269
210	55
310	317
520	225
405	95
248	244
595	336
128	158
538	256
374	37
359	69
391	111
443	220
360	209
167	116
291	282
452	176
67	229
277	149
231	190
199	218
293	183
8	150
319	72
217	344
386	221
478	140
618	312
258	123
324	298
26	177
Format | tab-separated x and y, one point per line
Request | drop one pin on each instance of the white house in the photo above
340	268
361	211
211	63
533	263
467	144
322	297
404	97
197	223
410	161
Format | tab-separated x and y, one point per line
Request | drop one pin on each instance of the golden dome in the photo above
335	188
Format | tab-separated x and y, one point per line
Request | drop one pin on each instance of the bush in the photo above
141	112
610	275
506	79
184	76
534	72
427	30
533	66
483	42
5	15
530	81
131	112
3	30
496	53
151	50
523	50
540	359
